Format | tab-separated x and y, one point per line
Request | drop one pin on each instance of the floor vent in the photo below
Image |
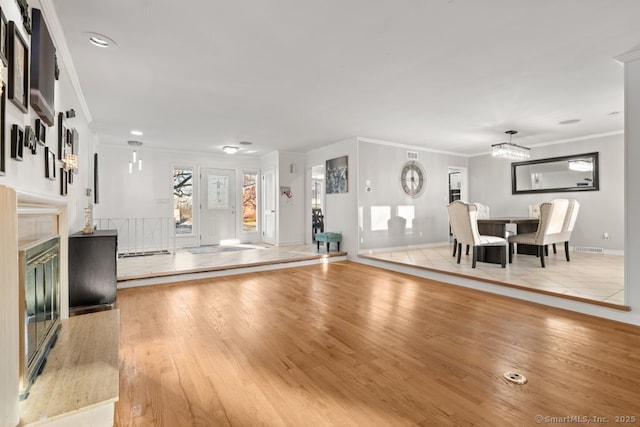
515	377
589	249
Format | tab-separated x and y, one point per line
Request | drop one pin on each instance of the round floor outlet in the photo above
515	377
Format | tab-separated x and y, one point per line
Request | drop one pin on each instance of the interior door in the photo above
217	205
269	210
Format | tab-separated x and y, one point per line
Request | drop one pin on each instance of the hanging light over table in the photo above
509	150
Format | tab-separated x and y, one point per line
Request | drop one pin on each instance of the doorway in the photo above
269	207
457	190
317	200
217	206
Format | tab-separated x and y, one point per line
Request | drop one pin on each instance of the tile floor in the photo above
594	277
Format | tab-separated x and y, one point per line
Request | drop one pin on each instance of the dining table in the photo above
497	226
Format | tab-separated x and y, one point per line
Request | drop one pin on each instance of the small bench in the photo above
328	238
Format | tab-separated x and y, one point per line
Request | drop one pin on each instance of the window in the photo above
183	200
249	193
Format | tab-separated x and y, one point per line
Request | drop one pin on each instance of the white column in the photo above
631	62
9	339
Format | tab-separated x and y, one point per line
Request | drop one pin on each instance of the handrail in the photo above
142	236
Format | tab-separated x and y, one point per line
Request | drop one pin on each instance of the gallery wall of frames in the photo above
28	53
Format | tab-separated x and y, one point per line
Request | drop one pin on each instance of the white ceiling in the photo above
293	75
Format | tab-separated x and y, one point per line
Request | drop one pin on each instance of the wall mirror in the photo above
578	172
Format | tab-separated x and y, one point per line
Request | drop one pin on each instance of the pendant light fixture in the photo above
135	161
509	150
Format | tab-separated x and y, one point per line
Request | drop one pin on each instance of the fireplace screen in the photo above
39	306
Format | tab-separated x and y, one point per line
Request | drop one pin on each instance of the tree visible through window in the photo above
249	217
183	200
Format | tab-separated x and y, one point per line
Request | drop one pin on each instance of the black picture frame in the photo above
18	68
42	74
74	142
49	164
64	182
584	180
3	38
17	143
337	175
41	132
70	178
62	137
96	187
3	161
69	137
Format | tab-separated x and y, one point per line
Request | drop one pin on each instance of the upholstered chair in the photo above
463	219
567	227
552	218
534	211
483	212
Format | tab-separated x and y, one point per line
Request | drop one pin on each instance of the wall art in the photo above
18	68
17	143
3	98
3	38
41	132
337	172
64	181
49	164
30	139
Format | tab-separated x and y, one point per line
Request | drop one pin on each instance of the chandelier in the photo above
509	150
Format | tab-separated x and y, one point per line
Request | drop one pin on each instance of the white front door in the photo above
269	210
217	205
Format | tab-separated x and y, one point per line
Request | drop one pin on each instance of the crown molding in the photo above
631	56
62	50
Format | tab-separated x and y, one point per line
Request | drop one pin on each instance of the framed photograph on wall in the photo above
17	143
41	132
64	181
3	98
30	139
49	164
337	173
18	68
3	37
96	188
62	137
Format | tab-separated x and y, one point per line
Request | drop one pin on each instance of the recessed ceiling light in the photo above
569	122
230	149
136	132
100	40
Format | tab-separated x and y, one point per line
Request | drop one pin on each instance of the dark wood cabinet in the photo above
93	268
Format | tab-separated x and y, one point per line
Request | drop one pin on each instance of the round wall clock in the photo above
413	178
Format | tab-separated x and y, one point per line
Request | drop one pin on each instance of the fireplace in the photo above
39	306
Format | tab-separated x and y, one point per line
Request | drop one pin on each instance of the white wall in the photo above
340	209
632	178
600	211
381	165
149	193
28	177
292	211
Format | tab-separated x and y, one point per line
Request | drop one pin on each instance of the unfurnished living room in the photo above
319	213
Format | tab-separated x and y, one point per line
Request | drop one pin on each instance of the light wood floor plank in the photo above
349	344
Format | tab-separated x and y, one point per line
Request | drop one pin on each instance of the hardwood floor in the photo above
348	344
